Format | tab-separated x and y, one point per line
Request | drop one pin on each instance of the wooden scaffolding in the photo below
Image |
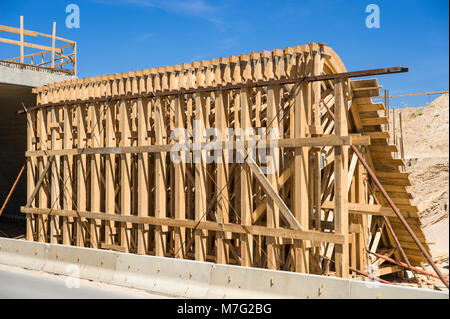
100	171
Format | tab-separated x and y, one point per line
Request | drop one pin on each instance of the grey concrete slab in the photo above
23	284
30	78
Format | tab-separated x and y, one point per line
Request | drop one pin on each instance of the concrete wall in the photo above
14	75
193	279
15	89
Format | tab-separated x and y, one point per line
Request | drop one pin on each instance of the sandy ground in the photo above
426	148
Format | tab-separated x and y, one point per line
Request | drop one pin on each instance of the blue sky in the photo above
124	35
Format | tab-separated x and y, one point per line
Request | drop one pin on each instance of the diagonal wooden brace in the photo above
273	194
39	183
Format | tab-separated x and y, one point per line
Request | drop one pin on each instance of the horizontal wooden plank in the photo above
31	33
377	210
408	208
367	88
366	93
398	195
397	224
389	174
371	107
386	270
378	135
411	221
382	156
25	44
207	225
358	83
401	201
404	234
375	121
394	162
394	188
383	148
393	181
330	140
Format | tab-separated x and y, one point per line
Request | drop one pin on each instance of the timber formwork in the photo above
100	172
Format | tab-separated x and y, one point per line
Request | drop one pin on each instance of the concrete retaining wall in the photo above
192	279
32	78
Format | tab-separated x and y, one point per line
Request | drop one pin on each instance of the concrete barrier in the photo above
241	282
167	276
193	279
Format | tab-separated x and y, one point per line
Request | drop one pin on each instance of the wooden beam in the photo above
53	44
125	173
21	39
203	89
143	192
273	195
273	207
160	179
340	181
81	174
39	182
180	184
31	33
110	168
246	183
189	223
281	143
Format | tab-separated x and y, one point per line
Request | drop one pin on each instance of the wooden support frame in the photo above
122	190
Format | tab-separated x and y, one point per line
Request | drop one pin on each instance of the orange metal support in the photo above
12	189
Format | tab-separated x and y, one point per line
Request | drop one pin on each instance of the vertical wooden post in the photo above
223	205
233	76
245	179
341	180
200	166
55	175
273	212
301	176
21	39
67	175
53	44
81	172
31	172
361	219
74	51
257	76
160	172
143	171
96	173
317	95
125	173
43	197
402	148
110	167
180	172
